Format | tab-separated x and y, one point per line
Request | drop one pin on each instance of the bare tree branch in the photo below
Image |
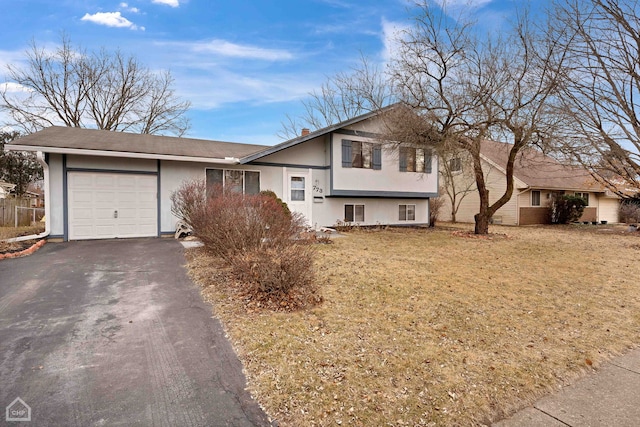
105	90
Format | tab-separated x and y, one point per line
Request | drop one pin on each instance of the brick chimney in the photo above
305	132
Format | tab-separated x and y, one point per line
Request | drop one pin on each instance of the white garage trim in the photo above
110	204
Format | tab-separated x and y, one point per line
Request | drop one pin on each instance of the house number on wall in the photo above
317	190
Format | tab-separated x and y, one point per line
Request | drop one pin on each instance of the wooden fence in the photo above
26	214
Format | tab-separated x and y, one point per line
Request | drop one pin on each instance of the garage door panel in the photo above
94	199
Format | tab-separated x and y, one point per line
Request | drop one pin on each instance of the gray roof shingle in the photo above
91	139
538	170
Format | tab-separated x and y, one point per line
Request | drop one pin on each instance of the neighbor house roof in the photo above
69	140
537	170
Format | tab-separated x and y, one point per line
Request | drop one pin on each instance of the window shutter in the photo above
403	159
427	161
346	153
377	157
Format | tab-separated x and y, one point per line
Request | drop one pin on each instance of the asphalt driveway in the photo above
114	333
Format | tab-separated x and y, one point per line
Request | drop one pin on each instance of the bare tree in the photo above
457	179
106	90
601	87
362	89
468	89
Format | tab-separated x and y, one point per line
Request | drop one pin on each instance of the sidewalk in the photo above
609	397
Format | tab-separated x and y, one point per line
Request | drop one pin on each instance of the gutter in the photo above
131	155
47	204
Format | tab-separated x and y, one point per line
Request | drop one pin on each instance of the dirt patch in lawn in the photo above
422	327
11	232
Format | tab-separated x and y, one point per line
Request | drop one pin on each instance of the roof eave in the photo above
126	154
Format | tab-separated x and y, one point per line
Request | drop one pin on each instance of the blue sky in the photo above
243	64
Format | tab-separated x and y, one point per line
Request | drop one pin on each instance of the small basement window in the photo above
354	213
407	212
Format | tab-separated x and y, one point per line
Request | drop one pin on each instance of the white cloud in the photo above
228	49
391	33
172	3
11	87
224	86
126	7
111	19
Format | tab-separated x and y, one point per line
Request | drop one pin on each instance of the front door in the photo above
299	195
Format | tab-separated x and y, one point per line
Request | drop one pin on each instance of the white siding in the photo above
173	174
387	179
309	153
470	204
111	163
378	211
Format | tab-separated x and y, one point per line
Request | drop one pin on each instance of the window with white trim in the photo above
232	180
535	197
407	213
354	213
297	188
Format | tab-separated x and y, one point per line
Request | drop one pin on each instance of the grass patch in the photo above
422	327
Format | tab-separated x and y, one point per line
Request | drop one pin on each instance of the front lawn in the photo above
423	327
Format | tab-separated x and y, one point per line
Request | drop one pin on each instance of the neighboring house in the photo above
101	184
6	189
536	178
35	196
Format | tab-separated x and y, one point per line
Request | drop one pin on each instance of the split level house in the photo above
101	184
537	177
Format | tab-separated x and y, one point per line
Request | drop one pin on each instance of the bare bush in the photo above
189	200
630	213
435	205
257	239
278	276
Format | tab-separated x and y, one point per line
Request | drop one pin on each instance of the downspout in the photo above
47	204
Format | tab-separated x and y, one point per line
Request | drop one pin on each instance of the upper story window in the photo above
415	160
361	154
233	180
455	164
585	196
535	198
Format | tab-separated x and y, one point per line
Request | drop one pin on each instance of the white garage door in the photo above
110	205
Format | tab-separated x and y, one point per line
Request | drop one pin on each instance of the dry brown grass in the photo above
11	232
426	327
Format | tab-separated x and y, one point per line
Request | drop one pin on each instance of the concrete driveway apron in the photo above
114	333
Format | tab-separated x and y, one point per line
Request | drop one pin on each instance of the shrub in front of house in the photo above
257	240
567	208
630	210
273	195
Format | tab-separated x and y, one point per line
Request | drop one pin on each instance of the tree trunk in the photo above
484	213
482	223
453	209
